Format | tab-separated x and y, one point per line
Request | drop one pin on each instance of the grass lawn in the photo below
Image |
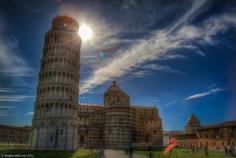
185	153
48	154
12	146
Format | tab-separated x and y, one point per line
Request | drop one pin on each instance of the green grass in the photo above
49	154
185	153
12	146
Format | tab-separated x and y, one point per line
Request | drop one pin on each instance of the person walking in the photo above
102	153
131	152
226	150
193	149
150	155
234	150
206	150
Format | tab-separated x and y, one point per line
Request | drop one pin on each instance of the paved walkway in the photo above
109	153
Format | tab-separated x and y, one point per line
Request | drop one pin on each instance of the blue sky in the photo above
177	55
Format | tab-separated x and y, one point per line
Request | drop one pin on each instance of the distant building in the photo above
215	137
218	136
14	135
60	122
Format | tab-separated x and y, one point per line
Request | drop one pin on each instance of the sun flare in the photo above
85	32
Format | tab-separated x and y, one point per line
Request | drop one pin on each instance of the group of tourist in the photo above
196	149
230	150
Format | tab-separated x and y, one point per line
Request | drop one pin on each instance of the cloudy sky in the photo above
178	55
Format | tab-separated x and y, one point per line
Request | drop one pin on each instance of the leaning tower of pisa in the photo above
55	114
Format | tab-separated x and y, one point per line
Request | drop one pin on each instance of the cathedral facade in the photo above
61	122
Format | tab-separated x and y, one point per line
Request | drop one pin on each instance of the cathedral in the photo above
60	122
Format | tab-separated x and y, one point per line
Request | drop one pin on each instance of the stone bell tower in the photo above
55	115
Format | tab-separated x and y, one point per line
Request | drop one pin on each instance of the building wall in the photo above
113	126
148	125
215	137
186	140
118	127
154	134
91	124
14	135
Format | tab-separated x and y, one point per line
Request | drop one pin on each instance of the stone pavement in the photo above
109	153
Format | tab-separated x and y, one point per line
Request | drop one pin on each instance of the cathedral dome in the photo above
192	124
115	96
193	120
113	88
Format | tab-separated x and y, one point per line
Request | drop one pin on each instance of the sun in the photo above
85	32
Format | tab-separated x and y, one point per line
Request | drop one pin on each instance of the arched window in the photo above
51	138
155	132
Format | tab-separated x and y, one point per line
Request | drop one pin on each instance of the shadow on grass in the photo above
184	153
46	153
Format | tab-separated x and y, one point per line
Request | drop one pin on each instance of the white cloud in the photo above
204	94
7	113
11	63
172	56
31	113
14	98
139	73
6	90
6	107
146	69
212	85
160	44
162	68
188	16
171	103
